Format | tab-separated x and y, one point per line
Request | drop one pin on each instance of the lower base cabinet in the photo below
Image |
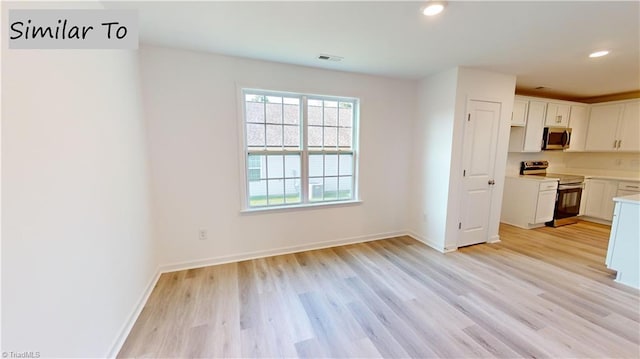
598	197
528	203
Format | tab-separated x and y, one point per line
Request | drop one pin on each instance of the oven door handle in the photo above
566	137
570	186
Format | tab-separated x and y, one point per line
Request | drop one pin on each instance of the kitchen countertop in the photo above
534	178
634	199
613	178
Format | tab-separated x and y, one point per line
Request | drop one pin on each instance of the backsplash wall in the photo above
626	165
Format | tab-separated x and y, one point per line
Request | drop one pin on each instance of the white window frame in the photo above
303	151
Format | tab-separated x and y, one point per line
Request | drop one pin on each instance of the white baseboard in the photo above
429	243
173	267
494	239
133	317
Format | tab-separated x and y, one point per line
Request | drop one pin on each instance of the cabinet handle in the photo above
615	143
619	143
559	118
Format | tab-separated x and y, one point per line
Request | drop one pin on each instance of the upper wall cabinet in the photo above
579	123
529	137
531	115
557	115
614	127
519	114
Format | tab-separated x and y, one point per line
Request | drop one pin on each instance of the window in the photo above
300	149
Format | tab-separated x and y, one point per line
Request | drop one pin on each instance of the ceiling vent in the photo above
330	58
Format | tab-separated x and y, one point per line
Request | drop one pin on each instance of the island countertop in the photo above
633	198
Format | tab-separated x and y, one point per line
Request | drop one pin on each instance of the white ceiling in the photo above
542	43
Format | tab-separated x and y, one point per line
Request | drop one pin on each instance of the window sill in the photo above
300	207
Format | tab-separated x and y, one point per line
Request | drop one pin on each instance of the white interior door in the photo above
478	160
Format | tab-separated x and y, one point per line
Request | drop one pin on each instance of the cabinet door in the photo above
599	198
593	195
519	114
535	126
578	122
603	122
557	115
629	128
546	206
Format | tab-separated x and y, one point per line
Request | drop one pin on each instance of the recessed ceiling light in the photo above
433	8
599	53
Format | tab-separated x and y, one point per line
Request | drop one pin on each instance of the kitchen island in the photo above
623	254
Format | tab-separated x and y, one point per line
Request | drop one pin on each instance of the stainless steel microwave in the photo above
556	138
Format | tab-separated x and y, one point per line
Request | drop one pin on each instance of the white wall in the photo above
192	109
437	164
431	157
77	252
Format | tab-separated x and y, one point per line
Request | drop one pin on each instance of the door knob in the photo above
492	182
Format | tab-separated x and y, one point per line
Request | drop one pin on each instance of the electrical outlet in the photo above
202	234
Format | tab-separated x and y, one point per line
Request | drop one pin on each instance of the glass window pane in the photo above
291	101
274	136
346	116
330	188
255	171
255	112
316	167
330	137
331	165
292	114
274	113
292	191
314	114
315	136
292	166
254	98
273	99
275	167
344	137
276	192
346	187
316	189
330	116
346	165
291	136
258	193
332	104
255	135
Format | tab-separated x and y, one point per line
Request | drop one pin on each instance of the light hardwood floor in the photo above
538	293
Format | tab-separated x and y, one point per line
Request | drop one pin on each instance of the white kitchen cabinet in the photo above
529	137
624	246
629	128
578	122
546	206
519	114
598	197
614	127
528	202
557	115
